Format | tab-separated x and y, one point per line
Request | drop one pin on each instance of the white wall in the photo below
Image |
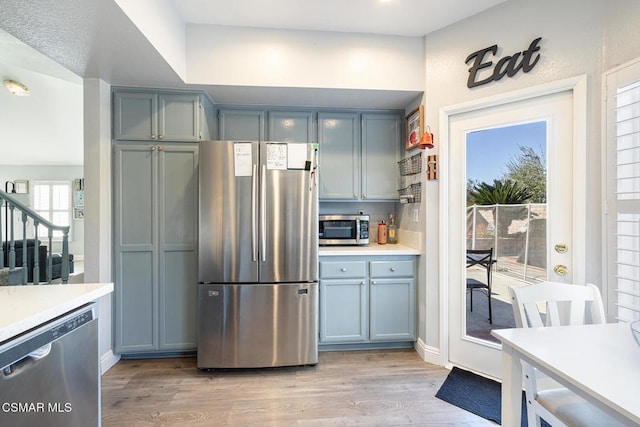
162	26
50	173
577	38
98	219
44	128
240	56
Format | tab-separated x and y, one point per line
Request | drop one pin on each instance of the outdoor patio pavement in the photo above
478	320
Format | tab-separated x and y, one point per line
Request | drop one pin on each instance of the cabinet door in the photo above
241	125
392	309
136	260
343	311
179	117
291	126
134	116
338	156
177	242
381	144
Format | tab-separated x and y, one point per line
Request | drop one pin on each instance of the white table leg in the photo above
511	387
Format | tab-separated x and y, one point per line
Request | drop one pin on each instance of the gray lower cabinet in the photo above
392	303
344	296
140	115
155	241
367	300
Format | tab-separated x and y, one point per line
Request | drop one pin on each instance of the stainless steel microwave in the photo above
343	230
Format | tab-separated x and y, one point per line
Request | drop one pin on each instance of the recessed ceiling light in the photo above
16	88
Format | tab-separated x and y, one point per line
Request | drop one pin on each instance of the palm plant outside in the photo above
524	182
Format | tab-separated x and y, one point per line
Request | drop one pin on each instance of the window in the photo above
623	191
52	200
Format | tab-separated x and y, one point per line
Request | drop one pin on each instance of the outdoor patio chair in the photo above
557	304
484	259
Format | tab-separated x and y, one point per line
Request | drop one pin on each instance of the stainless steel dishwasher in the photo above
50	374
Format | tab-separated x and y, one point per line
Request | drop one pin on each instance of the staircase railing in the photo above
9	206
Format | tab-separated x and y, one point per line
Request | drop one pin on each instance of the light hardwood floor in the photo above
371	388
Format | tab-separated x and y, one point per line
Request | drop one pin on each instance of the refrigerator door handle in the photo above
254	213
263	213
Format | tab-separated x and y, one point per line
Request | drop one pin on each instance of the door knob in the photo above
560	269
561	248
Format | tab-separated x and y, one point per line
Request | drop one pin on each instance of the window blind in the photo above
623	177
52	200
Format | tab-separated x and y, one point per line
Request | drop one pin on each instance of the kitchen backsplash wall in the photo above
377	211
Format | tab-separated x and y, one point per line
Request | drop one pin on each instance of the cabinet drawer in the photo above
347	269
392	268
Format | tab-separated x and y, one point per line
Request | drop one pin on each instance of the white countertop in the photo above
370	250
25	307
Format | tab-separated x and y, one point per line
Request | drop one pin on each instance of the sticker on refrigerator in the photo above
277	156
297	156
242	159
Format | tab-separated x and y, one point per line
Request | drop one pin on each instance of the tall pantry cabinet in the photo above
155	241
156	219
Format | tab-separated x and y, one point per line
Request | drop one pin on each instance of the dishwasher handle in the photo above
27	361
36	344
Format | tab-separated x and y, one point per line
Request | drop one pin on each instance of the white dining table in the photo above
600	363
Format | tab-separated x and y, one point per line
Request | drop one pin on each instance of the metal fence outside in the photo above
517	234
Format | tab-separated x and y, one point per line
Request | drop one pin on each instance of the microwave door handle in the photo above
357	231
254	213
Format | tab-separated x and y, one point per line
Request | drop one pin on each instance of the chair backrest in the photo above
479	256
564	304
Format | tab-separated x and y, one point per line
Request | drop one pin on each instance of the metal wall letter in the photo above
509	65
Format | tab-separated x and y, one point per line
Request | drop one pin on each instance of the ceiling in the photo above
53	44
391	17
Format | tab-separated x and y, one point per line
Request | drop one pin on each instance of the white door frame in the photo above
578	86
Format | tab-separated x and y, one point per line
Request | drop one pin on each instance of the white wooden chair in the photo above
557	304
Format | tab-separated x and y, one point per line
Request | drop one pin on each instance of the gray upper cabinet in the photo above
241	125
154	116
155	241
355	166
339	156
381	146
291	126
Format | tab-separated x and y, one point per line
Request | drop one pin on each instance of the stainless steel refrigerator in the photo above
258	255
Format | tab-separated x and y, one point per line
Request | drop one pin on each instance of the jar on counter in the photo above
392	231
382	233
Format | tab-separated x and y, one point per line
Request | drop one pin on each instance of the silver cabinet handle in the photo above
373	282
160	148
153	136
362	283
153	148
160	136
392	269
343	269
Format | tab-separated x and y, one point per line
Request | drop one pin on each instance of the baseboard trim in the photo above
107	361
429	354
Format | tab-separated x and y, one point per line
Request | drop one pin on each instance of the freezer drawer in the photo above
257	325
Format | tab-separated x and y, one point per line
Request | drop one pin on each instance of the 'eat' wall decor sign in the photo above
509	65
